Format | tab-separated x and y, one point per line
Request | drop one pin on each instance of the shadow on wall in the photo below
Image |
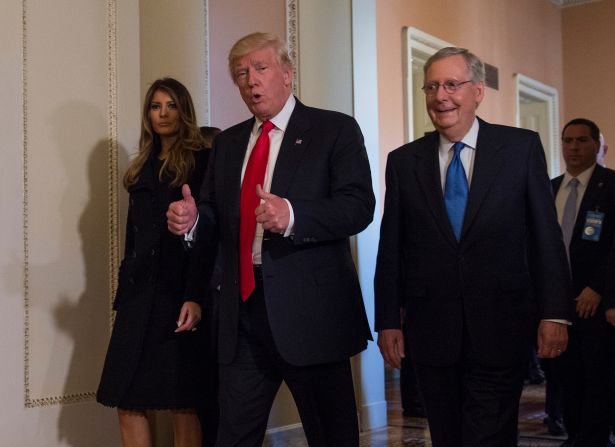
84	317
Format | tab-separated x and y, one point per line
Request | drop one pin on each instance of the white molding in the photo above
531	88
206	61
418	47
292	39
30	401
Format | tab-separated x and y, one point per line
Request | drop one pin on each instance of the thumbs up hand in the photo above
273	212
181	214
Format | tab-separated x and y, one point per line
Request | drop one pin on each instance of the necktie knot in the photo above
267	126
573	183
457	147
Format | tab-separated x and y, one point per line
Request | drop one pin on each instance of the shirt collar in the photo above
280	121
583	177
469	139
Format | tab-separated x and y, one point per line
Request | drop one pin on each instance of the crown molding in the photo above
568	3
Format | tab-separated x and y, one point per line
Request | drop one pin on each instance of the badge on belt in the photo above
593	226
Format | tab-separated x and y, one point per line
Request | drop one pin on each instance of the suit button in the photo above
135	228
153	252
134	253
131	280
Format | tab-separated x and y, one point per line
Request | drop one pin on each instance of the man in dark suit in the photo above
585	202
296	313
470	246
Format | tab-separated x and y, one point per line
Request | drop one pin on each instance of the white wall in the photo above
57	240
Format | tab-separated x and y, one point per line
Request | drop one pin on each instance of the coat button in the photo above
153	252
134	253
135	228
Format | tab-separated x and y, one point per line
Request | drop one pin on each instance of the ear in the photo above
479	91
288	75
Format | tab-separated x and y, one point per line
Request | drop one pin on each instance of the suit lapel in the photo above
488	160
428	176
234	153
297	139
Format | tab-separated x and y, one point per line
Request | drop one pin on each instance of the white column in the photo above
370	371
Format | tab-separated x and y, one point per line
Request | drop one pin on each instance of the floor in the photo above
409	432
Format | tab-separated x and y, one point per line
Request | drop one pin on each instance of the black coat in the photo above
148	300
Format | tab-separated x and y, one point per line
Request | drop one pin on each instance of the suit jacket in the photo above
588	259
486	288
311	289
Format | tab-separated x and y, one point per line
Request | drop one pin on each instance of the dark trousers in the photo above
324	393
470	404
585	373
554	392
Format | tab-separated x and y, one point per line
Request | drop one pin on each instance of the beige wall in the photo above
226	25
589	67
521	36
172	42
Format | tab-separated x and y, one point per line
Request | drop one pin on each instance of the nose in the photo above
251	77
164	111
441	93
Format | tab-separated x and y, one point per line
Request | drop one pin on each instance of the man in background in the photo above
585	202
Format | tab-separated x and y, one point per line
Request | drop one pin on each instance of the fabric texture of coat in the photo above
148	365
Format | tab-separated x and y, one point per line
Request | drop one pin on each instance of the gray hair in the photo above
476	68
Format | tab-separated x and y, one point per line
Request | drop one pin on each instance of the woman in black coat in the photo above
153	360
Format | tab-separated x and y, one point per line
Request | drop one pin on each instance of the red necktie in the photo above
248	201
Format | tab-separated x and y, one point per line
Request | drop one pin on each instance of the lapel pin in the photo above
298	141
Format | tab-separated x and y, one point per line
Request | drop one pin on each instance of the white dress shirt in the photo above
466	155
280	121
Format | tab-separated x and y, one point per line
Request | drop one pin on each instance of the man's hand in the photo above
610	315
181	215
587	302
189	317
391	344
273	212
552	339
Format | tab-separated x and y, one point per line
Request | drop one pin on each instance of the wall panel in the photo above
70	194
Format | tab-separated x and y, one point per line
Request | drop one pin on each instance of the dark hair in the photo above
180	159
594	131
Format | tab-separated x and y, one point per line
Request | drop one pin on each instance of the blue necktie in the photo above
456	190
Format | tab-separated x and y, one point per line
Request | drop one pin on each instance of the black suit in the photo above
583	366
470	305
307	312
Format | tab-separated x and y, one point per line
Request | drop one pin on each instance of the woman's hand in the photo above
189	317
